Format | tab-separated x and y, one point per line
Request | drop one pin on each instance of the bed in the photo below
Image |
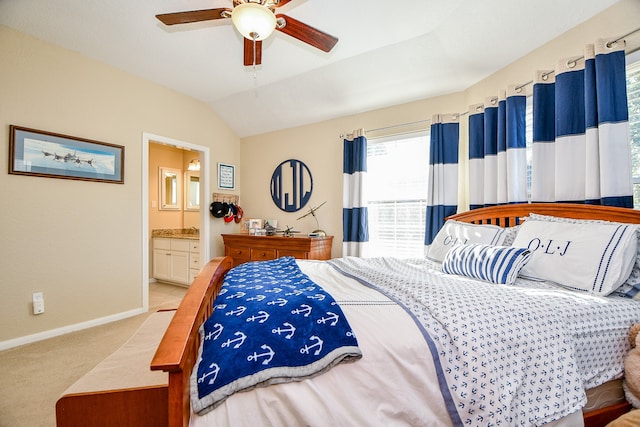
416	382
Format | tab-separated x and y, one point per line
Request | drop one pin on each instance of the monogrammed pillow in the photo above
590	257
631	287
462	233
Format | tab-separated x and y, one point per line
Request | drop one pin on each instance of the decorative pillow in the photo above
631	287
592	256
462	233
496	264
510	235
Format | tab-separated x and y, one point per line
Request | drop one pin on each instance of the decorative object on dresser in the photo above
243	248
317	232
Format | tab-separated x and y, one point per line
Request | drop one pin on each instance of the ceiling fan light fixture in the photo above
253	21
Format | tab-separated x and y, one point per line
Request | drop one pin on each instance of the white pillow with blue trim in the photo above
631	287
455	233
496	264
592	257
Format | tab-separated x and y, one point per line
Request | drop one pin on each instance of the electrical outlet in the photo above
38	303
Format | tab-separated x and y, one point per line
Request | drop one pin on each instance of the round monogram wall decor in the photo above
291	185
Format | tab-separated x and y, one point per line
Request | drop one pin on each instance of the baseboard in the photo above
28	339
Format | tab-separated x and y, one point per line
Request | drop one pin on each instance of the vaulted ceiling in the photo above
388	52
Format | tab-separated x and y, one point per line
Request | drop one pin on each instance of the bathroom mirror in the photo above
170	197
192	191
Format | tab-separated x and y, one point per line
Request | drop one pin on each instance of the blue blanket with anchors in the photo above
270	324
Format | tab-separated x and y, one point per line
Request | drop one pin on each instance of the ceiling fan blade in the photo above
282	3
307	34
248	52
193	16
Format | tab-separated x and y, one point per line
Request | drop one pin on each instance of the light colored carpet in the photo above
34	376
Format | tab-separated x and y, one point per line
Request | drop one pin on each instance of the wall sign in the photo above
226	176
291	185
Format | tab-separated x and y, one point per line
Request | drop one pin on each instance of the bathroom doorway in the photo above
190	217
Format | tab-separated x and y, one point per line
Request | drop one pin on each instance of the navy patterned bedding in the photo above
506	355
270	324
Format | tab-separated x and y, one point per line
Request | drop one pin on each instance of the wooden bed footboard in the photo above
178	349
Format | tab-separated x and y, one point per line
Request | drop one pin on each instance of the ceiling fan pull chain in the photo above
255	37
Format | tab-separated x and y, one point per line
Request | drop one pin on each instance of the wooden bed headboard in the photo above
511	215
178	350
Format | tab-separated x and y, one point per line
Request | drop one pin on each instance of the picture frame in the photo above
226	176
52	155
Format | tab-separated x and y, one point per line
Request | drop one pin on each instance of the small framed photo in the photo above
226	176
53	155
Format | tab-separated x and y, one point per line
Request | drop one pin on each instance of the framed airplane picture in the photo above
53	155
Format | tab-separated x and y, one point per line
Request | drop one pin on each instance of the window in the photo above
633	96
397	170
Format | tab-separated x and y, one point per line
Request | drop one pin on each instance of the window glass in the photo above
633	96
397	192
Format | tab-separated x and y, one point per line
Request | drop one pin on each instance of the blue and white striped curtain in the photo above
581	150
442	192
477	156
543	152
355	225
497	150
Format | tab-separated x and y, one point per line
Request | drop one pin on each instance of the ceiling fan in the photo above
256	20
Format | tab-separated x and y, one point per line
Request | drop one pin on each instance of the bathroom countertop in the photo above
176	233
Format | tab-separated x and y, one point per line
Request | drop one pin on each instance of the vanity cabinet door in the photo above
180	267
161	264
172	260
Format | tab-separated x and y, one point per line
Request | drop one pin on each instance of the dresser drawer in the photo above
262	254
245	247
238	253
295	254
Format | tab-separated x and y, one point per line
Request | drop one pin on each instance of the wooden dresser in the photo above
244	247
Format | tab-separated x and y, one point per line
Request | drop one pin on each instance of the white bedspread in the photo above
406	393
506	355
384	331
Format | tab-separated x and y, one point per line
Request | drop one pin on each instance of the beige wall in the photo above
161	155
168	157
81	242
320	145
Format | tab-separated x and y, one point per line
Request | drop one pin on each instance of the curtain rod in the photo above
517	88
573	61
408	124
399	125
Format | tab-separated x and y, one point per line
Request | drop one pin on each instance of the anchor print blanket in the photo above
270	324
506	355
